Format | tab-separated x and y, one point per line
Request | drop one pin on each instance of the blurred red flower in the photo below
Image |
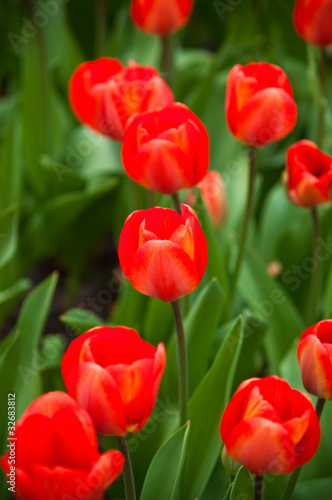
103	94
166	149
163	253
160	17
57	453
115	376
270	427
308	175
314	353
260	108
313	21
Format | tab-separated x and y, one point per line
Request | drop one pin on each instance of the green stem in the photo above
320	406
324	97
258	487
294	477
101	27
176	201
243	237
315	280
167	59
182	363
128	477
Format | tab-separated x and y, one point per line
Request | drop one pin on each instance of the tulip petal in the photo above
316	367
95	391
262	446
163	270
106	469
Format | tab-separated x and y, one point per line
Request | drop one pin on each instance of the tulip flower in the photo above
159	17
57	455
104	94
308	175
270	427
313	21
115	376
163	253
213	194
260	108
166	149
314	353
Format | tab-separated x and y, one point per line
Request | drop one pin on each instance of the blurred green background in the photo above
64	198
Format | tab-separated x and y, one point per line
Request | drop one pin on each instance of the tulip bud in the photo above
160	17
308	175
166	149
57	453
115	376
270	427
313	21
314	353
104	94
163	253
260	108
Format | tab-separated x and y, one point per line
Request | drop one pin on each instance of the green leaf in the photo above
205	410
272	304
80	320
8	234
10	164
228	492
199	327
243	486
163	475
316	488
158	321
19	356
9	296
130	308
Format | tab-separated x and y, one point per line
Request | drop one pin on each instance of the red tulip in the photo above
259	104
308	176
159	17
213	195
314	353
313	21
167	149
56	453
115	376
270	427
104	94
163	253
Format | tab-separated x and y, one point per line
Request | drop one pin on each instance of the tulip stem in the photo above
324	97
295	475
167	59
314	290
176	201
243	237
259	480
320	406
182	363
128	476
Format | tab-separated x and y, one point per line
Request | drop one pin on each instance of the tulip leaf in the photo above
19	351
217	260
162	478
243	486
199	327
80	320
270	302
316	488
130	308
228	492
8	234
10	295
205	410
158	321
